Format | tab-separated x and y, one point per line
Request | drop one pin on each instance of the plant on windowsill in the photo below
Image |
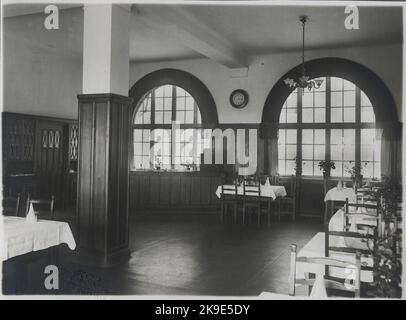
355	173
157	163
326	166
387	249
298	167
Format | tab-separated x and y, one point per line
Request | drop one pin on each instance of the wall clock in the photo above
239	98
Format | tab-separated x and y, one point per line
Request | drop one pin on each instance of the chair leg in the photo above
294	211
259	216
222	213
269	214
279	210
243	214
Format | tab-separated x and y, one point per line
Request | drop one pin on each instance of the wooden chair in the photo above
253	200
368	239
42	207
289	199
229	197
329	283
11	205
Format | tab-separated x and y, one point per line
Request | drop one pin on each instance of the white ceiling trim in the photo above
187	29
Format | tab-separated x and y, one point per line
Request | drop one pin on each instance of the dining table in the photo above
19	236
267	190
340	194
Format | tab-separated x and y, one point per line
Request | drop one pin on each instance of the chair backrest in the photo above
229	191
11	205
327	262
251	188
368	238
42	206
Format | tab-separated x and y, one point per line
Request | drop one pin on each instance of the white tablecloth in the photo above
340	195
267	191
20	237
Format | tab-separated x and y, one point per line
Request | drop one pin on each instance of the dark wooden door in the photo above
50	159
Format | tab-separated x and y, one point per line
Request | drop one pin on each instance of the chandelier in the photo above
303	81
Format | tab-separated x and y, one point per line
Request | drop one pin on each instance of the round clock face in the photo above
239	98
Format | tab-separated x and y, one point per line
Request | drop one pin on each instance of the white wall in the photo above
265	71
40	82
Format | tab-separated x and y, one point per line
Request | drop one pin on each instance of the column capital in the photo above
104	97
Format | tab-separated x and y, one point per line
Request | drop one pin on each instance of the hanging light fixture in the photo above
303	81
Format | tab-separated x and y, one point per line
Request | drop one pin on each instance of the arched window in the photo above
158	142
335	122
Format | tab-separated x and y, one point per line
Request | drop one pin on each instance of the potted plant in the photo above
326	166
387	248
355	173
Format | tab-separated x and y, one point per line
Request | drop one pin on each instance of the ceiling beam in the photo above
188	30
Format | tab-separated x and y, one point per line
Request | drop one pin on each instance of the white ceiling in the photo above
249	30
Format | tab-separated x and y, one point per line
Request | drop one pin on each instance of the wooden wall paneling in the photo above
103	178
175	190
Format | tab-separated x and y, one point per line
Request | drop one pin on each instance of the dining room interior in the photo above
202	149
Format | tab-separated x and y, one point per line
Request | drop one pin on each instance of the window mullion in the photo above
173	117
153	107
299	130
328	119
358	128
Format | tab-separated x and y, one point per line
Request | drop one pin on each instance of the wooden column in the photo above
102	207
103	178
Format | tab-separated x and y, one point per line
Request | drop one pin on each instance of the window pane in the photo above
281	167
336	115
367	114
281	151
336	83
319	152
159	104
319	99
286	151
290	151
348	85
291	136
307	115
282	116
159	117
189	117
349	114
342	150
291	102
307	152
371	153
307	99
319	115
320	136
336	99
307	136
180	116
365	102
349	98
137	135
307	168
291	115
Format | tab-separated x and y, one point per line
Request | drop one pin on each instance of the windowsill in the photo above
162	171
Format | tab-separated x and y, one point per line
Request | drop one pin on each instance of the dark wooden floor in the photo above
176	254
